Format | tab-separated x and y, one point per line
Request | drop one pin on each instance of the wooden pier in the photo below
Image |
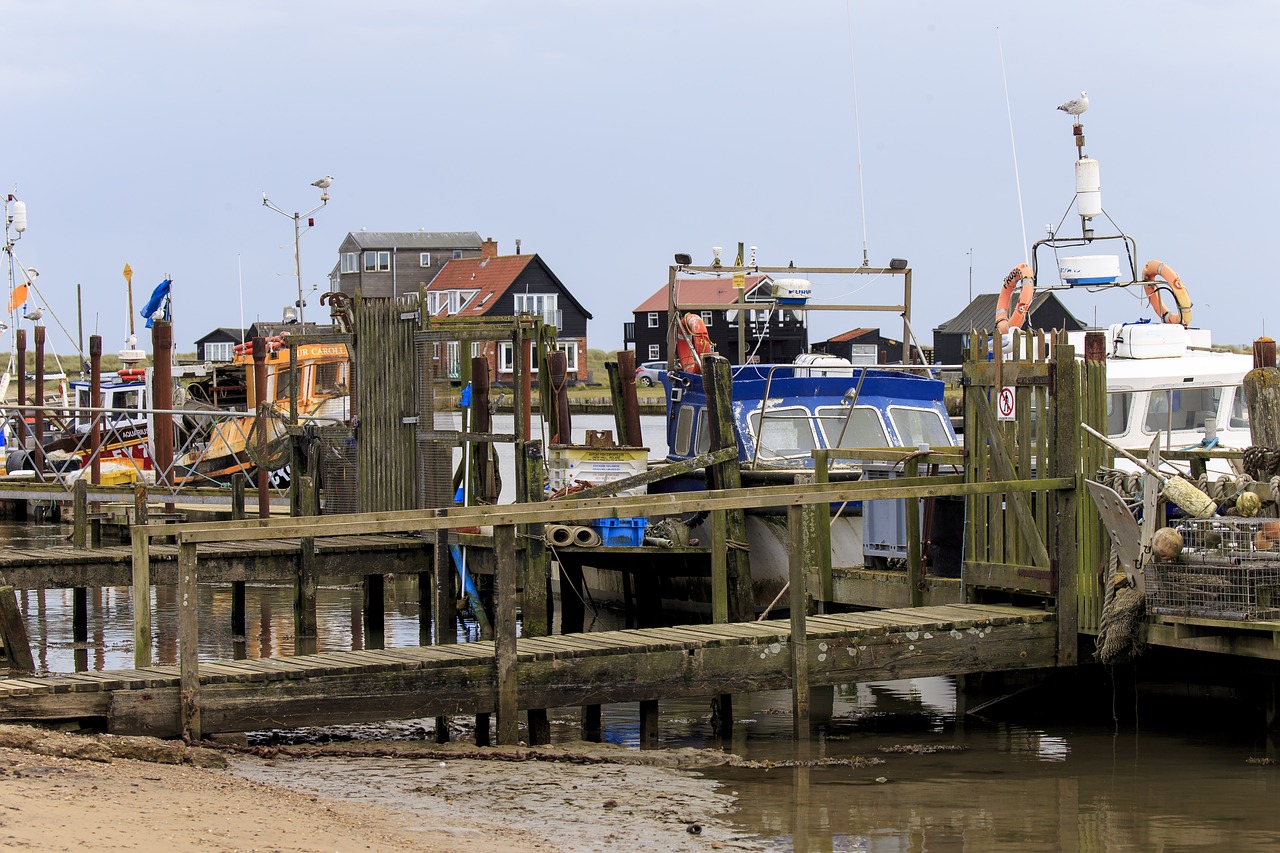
552	672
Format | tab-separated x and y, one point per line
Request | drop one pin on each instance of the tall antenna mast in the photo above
857	127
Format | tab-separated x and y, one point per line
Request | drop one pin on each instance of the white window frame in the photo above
377	261
655	352
506	357
653	320
424	259
219	351
708	317
350	262
570	350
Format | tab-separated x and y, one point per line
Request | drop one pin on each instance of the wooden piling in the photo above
1064	564
562	426
238	610
627	404
915	565
375	590
162	398
141	579
260	425
533	580
1262	395
304	594
649	724
446	624
799	605
717	382
188	642
95	418
507	700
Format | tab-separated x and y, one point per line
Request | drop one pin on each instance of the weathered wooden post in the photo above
626	404
557	369
507	702
717	382
162	398
648	723
799	598
304	589
188	642
534	580
141	579
1065	441
260	424
915	563
1262	394
238	614
38	425
447	624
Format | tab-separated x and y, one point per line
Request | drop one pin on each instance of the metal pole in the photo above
297	258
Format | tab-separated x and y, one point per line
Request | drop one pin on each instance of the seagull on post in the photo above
1076	106
327	181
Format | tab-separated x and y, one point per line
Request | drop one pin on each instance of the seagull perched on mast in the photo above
327	181
1076	106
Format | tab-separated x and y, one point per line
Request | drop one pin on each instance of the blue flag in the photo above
159	298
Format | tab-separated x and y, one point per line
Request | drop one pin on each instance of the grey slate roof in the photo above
981	313
416	239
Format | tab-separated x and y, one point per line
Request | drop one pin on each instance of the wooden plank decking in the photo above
65	566
555	671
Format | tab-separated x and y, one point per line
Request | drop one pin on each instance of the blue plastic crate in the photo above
620	531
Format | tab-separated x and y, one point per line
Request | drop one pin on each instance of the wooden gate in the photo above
1021	423
386	403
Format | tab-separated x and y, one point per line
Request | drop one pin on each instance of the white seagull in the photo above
1076	106
327	181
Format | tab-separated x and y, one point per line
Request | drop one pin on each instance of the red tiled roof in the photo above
854	334
491	276
699	291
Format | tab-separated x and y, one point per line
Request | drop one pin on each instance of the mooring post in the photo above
533	577
799	597
304	590
37	425
717	381
80	595
79	514
260	423
447	626
375	591
141	579
95	418
648	723
1065	440
1262	395
628	419
822	515
507	702
162	398
722	704
238	612
188	642
915	563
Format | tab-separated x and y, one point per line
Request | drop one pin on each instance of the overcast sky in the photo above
608	134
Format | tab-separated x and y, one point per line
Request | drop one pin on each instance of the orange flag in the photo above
18	297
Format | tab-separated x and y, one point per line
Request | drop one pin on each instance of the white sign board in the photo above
1004	403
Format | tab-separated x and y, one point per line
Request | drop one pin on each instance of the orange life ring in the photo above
131	373
1158	268
1005	320
692	343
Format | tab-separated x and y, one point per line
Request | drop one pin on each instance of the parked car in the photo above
650	373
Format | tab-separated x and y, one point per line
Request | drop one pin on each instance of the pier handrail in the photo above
407	521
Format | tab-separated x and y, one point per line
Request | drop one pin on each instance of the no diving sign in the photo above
1004	404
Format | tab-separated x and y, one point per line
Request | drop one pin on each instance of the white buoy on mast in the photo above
1088	188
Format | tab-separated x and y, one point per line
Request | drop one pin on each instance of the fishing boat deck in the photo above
552	671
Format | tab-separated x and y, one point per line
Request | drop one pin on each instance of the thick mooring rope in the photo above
1119	629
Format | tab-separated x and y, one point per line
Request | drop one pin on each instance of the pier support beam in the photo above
504	633
717	382
239	630
304	596
188	643
799	598
649	724
447	623
533	575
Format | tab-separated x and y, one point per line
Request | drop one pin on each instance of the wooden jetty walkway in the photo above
552	671
66	566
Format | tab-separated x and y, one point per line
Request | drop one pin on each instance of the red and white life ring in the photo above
131	373
1158	268
692	343
1005	320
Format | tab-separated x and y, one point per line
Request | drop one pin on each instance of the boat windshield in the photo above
785	431
859	426
1118	405
919	426
1181	408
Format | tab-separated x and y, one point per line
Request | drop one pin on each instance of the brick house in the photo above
494	285
773	333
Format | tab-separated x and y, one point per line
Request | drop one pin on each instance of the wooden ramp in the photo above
552	672
266	560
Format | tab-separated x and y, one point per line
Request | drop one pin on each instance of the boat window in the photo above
919	426
329	378
1119	404
684	430
283	381
82	398
703	444
1181	408
857	427
1239	410
785	432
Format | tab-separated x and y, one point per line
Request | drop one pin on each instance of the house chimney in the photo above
517	245
489	248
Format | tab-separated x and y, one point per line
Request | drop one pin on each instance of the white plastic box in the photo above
569	464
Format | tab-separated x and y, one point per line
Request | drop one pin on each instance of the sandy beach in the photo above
75	792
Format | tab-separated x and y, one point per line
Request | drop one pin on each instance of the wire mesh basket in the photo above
1229	569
